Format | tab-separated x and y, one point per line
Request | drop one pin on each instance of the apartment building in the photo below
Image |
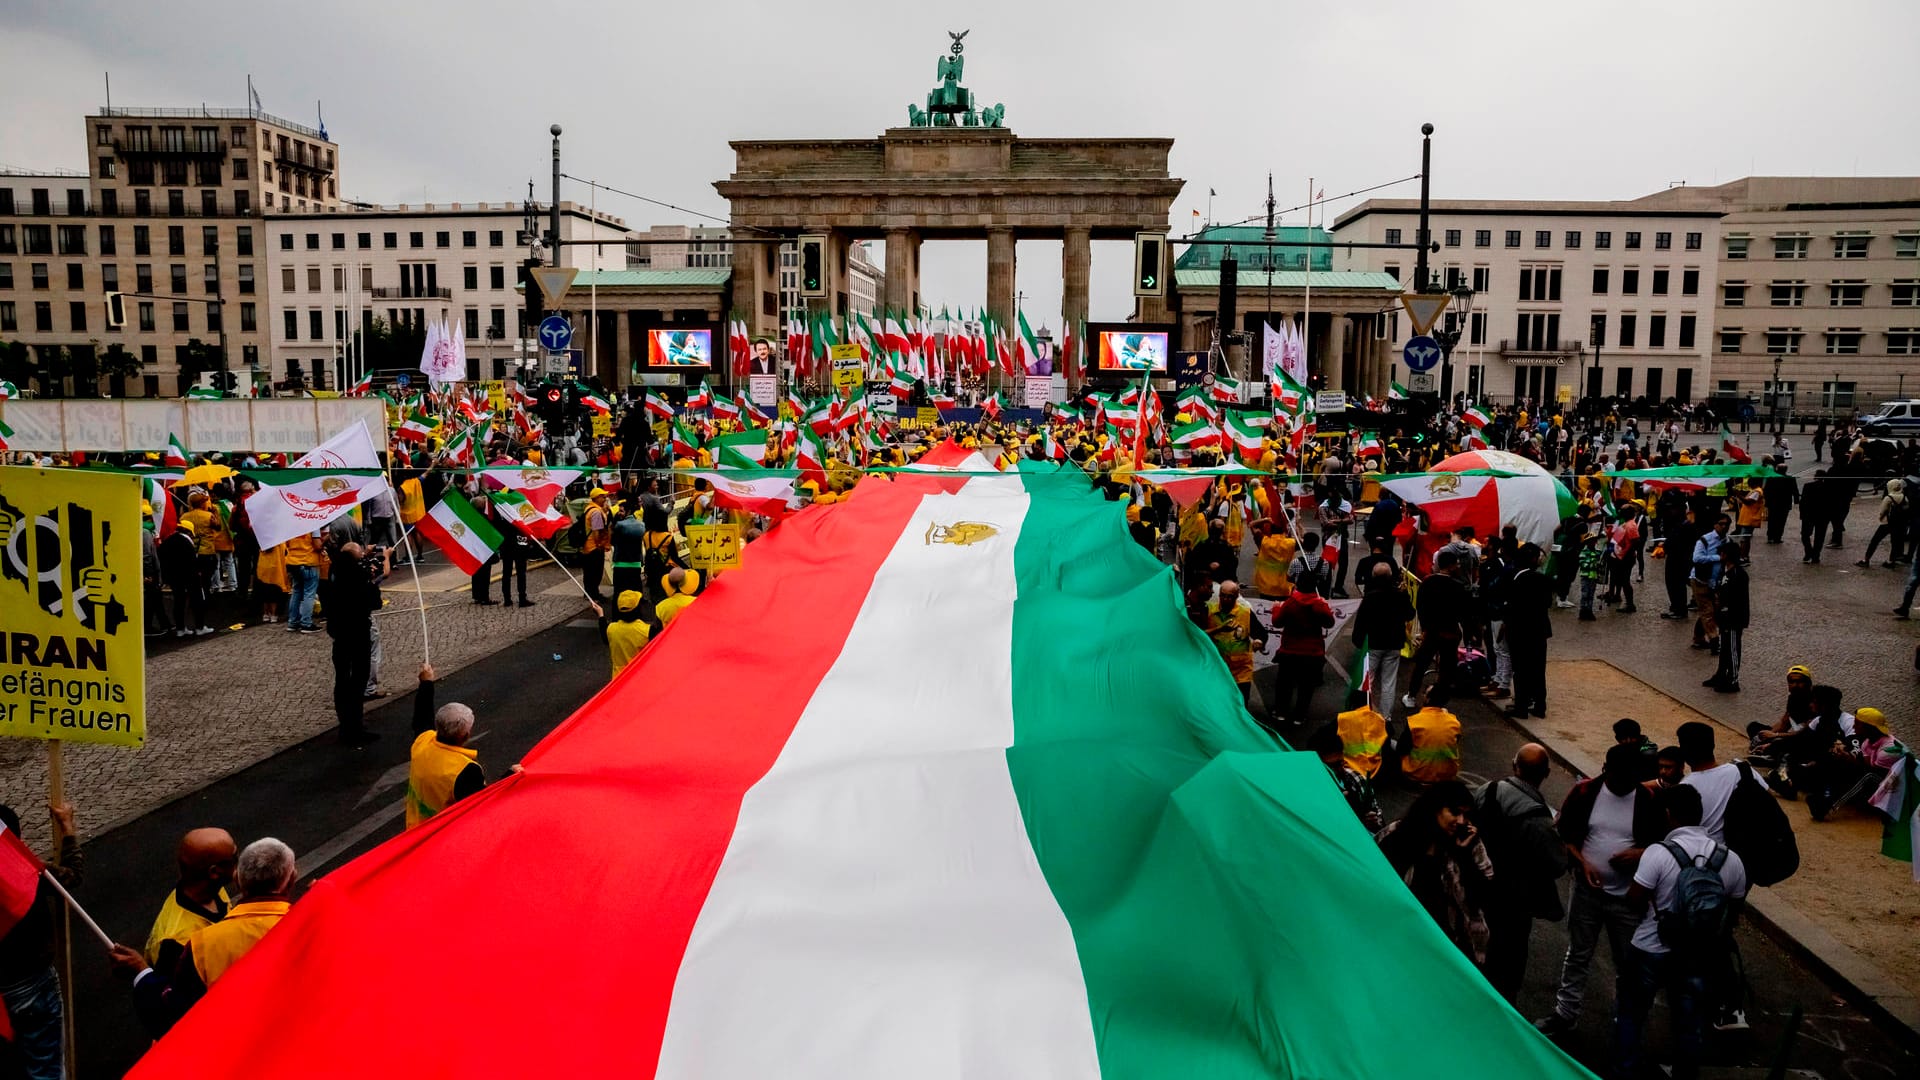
1820	288
1569	298
167	213
404	266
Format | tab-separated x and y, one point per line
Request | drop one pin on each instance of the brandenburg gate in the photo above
955	173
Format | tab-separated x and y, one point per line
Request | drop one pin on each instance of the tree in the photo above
54	367
198	357
16	365
390	347
119	365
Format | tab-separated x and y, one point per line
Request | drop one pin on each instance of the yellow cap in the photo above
597	493
628	600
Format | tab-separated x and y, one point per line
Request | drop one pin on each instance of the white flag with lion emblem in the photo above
324	483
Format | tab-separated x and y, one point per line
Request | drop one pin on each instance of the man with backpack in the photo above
1690	886
1528	857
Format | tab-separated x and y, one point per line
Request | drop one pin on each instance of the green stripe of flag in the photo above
475	522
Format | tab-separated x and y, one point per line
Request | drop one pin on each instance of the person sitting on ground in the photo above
1765	742
1626	732
441	769
1433	741
263	878
1437	853
627	631
1356	789
206	859
679	585
1820	759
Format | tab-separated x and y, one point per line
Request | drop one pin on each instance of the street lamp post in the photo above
1448	339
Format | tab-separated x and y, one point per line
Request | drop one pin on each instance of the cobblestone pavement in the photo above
216	705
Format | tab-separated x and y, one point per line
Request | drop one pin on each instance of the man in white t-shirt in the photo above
1715	781
1654	966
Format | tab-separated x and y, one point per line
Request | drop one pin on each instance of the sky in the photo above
435	100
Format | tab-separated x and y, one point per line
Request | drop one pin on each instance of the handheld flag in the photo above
460	531
176	452
1732	449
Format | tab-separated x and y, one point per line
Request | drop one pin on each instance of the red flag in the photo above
1731	448
19	879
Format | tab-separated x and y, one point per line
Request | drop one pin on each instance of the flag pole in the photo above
74	906
413	564
563	568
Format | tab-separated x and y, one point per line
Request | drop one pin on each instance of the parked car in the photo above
1895	418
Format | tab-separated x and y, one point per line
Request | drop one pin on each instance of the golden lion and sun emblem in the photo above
962	533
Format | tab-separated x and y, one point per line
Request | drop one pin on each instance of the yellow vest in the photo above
1232	635
1362	733
413	502
1434	753
1270	566
431	775
624	641
176	923
666	609
219	946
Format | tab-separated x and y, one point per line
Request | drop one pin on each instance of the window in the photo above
246	279
1904	341
73	239
313	279
1853	246
1602	239
1846	293
292	319
213	317
143	202
1628	325
146	316
1689	283
42	202
1540	283
1844	341
1513	238
339	241
286	241
1787	293
143	278
1783	341
6	275
416	239
497	277
1482	279
1688	326
1906	293
1452	237
1573	238
363	240
1633	241
176	240
243	240
9	318
243	202
366	279
248	320
1453	280
180	317
316	325
1737	247
1630	282
76	276
1543	238
211	278
469	238
77	316
239	168
495	238
470	278
39	273
1836	395
209	203
1393	236
1538	332
1790	247
389	240
1478	328
1656	332
43	316
497	323
442	239
178	273
1660	282
1597	329
339	279
1481	237
1392	270
288	282
1663	241
109	201
473	323
8	245
1733	294
209	239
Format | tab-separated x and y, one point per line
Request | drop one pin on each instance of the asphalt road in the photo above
330	803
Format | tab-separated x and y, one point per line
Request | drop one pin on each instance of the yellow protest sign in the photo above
602	425
73	666
713	547
928	415
496	396
848	370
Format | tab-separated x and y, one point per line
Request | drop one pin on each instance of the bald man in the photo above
442	769
1516	825
206	858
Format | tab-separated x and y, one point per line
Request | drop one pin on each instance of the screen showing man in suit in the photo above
763	360
1125	350
679	348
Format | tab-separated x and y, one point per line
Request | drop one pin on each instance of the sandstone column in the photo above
903	269
1336	351
1076	275
623	348
1000	276
751	280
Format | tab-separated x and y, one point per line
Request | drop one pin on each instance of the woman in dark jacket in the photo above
1437	852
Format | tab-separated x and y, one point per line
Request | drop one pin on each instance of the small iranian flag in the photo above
726	409
749	412
461	531
741	450
1226	388
1248	440
943	402
205	393
1190	437
416	427
658	406
6	435
595	402
1359	672
1477	416
701	398
1288	394
902	385
1896	797
1732	449
8	391
991	407
685	444
1369	446
360	388
520	512
176	452
1396	392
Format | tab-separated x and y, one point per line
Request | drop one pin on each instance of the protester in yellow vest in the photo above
679	585
1231	625
206	858
1433	741
263	878
1362	733
413	501
627	631
1272	561
443	769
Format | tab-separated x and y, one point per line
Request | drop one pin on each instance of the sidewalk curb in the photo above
1857	978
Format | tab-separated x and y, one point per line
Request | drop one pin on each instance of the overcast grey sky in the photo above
450	101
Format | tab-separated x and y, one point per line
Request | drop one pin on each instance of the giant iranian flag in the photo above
978	800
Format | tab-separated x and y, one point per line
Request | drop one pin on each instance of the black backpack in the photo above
1702	915
1758	831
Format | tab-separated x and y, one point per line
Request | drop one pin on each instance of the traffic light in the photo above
813	266
226	381
116	310
553	403
1149	264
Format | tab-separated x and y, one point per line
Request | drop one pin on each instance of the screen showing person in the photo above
1127	350
1040	361
679	348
